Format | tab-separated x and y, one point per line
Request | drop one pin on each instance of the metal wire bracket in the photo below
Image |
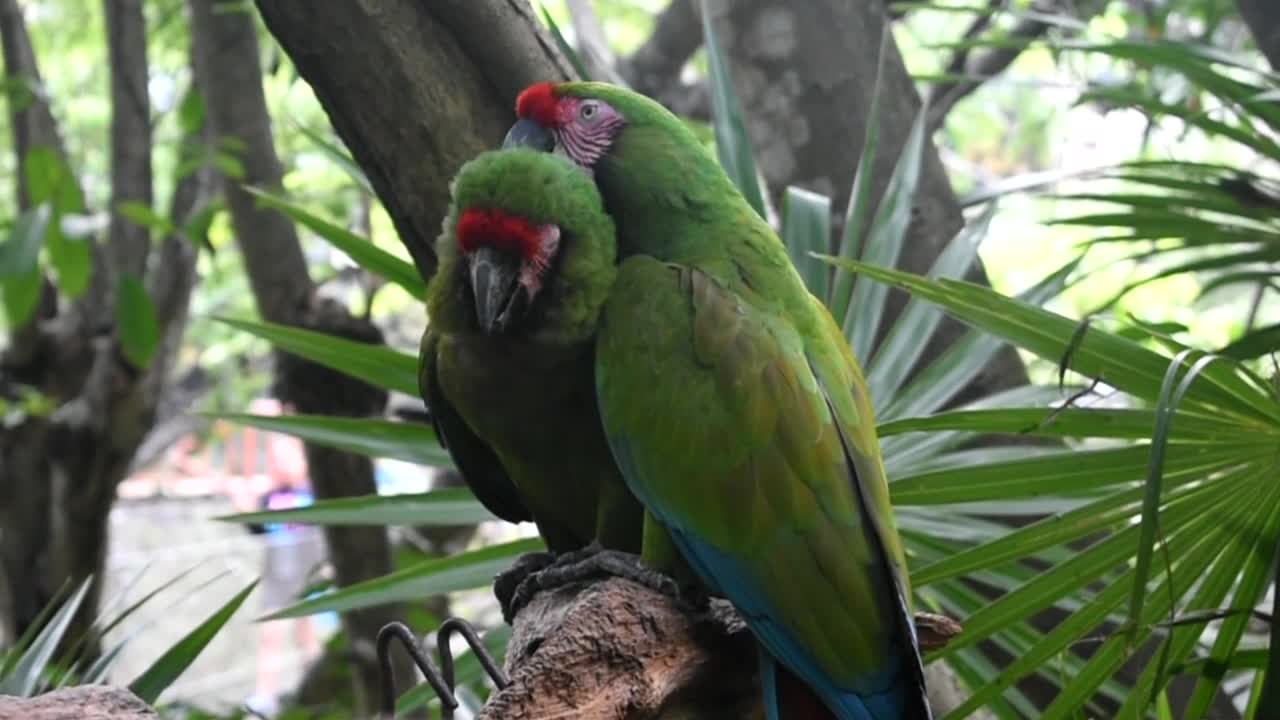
442	680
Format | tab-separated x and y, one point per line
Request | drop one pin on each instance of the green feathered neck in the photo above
544	188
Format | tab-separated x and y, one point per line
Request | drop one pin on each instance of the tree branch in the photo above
130	133
1263	19
593	46
228	73
33	125
31	117
615	650
980	68
655	66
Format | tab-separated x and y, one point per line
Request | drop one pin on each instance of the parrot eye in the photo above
588	111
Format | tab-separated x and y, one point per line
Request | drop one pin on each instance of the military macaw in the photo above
737	413
527	258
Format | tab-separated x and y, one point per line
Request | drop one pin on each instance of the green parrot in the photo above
737	413
527	259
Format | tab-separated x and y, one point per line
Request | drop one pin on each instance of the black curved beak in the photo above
529	134
495	281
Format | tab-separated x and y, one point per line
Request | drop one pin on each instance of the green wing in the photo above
755	447
478	464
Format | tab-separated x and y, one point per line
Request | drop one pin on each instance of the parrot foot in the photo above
509	581
593	562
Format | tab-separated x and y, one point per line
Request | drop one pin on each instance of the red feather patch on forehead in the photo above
541	104
500	230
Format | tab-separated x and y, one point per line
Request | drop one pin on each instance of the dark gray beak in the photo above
529	134
495	281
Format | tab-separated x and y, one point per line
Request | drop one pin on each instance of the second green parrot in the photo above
527	261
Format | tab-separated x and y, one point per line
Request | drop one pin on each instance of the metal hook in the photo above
442	680
469	634
399	631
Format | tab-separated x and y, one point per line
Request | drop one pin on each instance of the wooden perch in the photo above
88	702
615	650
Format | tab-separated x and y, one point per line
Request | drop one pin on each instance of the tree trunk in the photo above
229	74
61	471
1263	19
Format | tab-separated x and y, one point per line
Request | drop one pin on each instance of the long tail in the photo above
787	697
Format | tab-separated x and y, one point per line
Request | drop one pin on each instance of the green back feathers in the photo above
543	188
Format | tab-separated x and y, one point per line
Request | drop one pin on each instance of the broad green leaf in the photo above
50	181
1254	343
1049	531
339	156
377	365
143	215
858	213
1133	424
884	242
21	251
903	344
1254	570
1166	407
733	145
411	442
24	677
1121	363
472	569
191	111
136	321
196	229
1112	654
1182	639
1268	695
566	49
450	506
1198	535
806	229
1065	471
964	360
21	297
361	250
169	666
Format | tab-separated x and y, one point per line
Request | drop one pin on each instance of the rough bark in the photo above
410	101
1263	19
229	74
88	702
806	74
61	472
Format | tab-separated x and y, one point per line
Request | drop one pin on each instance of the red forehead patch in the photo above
497	229
540	104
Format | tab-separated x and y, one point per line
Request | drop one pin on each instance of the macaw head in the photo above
508	257
646	162
582	121
526	243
